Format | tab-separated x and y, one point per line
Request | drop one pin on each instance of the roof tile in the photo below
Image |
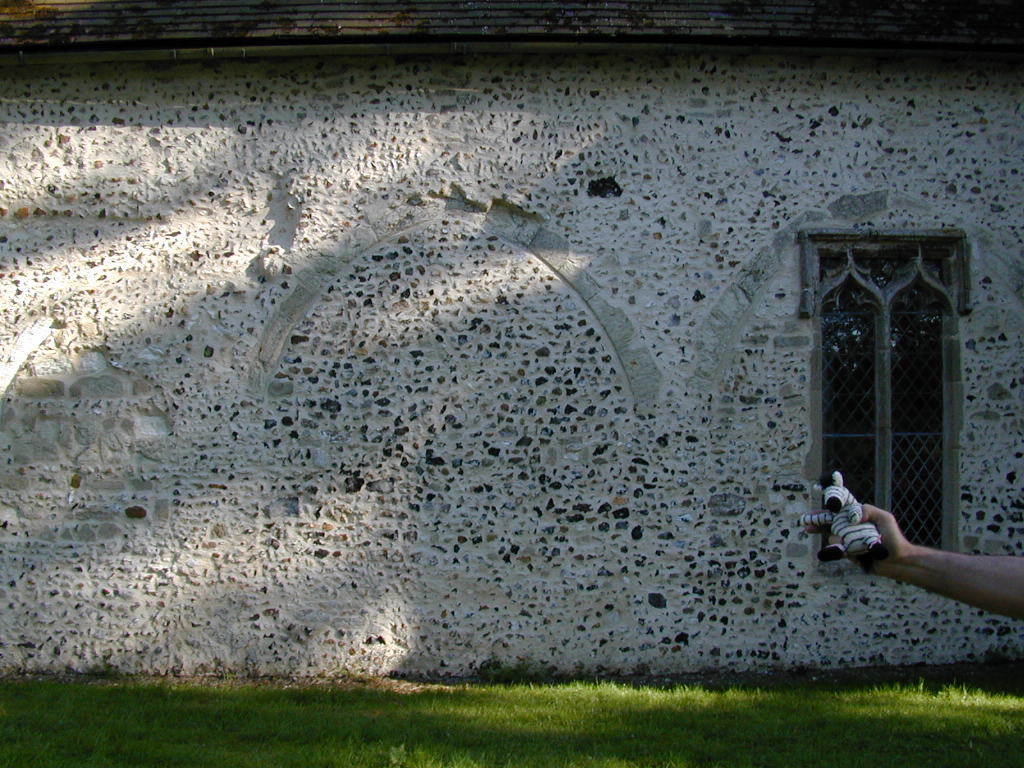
28	25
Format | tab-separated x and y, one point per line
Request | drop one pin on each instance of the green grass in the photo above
594	725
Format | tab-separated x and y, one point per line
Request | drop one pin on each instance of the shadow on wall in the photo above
494	484
444	467
412	434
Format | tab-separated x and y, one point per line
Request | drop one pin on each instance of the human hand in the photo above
889	529
892	536
992	582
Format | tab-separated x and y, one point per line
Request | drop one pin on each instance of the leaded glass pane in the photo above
848	362
848	386
915	338
854	456
917	376
917	486
848	367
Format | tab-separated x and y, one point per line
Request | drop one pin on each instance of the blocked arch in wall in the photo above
447	400
500	220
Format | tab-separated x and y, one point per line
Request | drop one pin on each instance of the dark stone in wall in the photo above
606	187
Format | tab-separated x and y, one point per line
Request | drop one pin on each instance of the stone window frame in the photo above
954	286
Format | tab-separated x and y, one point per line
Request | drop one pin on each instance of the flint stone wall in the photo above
408	366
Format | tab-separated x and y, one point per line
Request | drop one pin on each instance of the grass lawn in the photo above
114	723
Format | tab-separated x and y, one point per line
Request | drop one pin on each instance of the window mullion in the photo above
883	409
952	392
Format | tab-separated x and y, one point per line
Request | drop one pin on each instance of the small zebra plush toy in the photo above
843	514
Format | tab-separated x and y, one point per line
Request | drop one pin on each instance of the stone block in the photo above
106	531
797	551
80	533
726	505
150	426
512	223
41	446
51	366
14	482
91	361
616	323
39	387
96	386
287	506
791	342
105	483
280	388
859	206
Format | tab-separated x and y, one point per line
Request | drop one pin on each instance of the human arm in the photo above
992	582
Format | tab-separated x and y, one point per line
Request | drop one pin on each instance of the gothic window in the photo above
888	368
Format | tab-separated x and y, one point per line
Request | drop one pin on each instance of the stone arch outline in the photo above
728	318
513	224
29	337
726	322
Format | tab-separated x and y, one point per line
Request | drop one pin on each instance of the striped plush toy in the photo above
843	514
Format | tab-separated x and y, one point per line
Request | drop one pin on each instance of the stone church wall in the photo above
410	366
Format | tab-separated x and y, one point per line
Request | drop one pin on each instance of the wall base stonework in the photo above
410	366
